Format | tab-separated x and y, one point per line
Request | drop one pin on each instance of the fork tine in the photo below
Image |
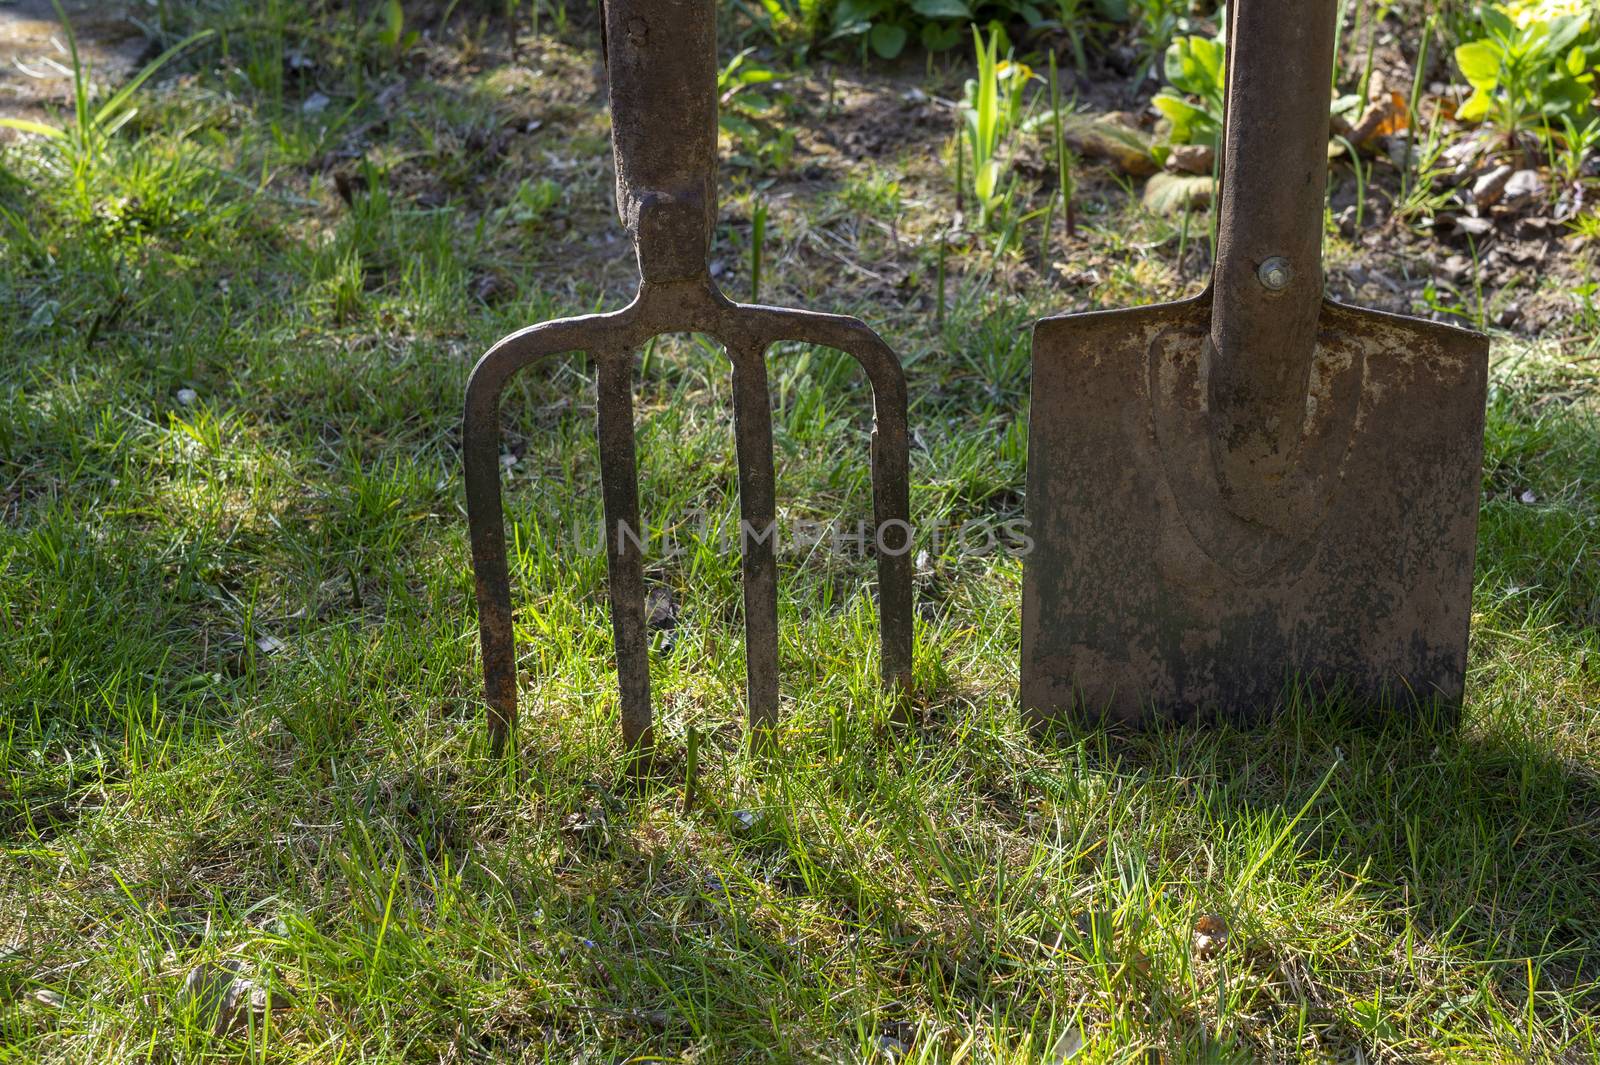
619	487
758	533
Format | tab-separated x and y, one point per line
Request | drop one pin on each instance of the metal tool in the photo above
1255	488
662	65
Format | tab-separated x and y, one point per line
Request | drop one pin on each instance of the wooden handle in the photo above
1267	293
661	61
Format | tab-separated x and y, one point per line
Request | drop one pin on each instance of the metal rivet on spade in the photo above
1275	274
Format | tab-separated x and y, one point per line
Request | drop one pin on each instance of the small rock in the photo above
1210	935
1463	154
892	1048
187	397
1067	1047
1402	151
1191	159
492	289
587	827
1490	186
223	998
1522	188
660	609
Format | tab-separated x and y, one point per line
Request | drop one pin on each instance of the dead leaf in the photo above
1172	193
1383	118
1110	138
1191	159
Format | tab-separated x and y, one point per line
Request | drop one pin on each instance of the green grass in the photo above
239	710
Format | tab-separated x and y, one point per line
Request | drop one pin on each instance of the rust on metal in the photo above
661	65
1257	487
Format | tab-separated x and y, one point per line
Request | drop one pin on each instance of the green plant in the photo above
83	142
758	241
991	109
533	201
746	113
1529	74
788	22
392	33
1571	148
886	26
1155	24
1196	68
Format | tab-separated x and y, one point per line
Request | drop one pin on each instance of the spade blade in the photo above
1147	597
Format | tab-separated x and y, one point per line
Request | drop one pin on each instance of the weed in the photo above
991	111
745	113
533	201
1528	74
1197	68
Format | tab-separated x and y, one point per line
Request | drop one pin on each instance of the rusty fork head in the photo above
661	65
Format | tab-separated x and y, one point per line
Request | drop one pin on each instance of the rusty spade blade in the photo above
1258	487
662	66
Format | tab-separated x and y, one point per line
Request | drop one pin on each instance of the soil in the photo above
538	107
36	63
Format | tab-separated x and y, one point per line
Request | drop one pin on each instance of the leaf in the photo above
1476	107
1480	64
394	17
942	9
1183	115
120	98
855	16
29	126
1101	137
940	37
986	182
1497	22
1563	32
887	39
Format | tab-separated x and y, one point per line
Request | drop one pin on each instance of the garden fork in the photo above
661	64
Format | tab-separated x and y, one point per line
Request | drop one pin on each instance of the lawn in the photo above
241	729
